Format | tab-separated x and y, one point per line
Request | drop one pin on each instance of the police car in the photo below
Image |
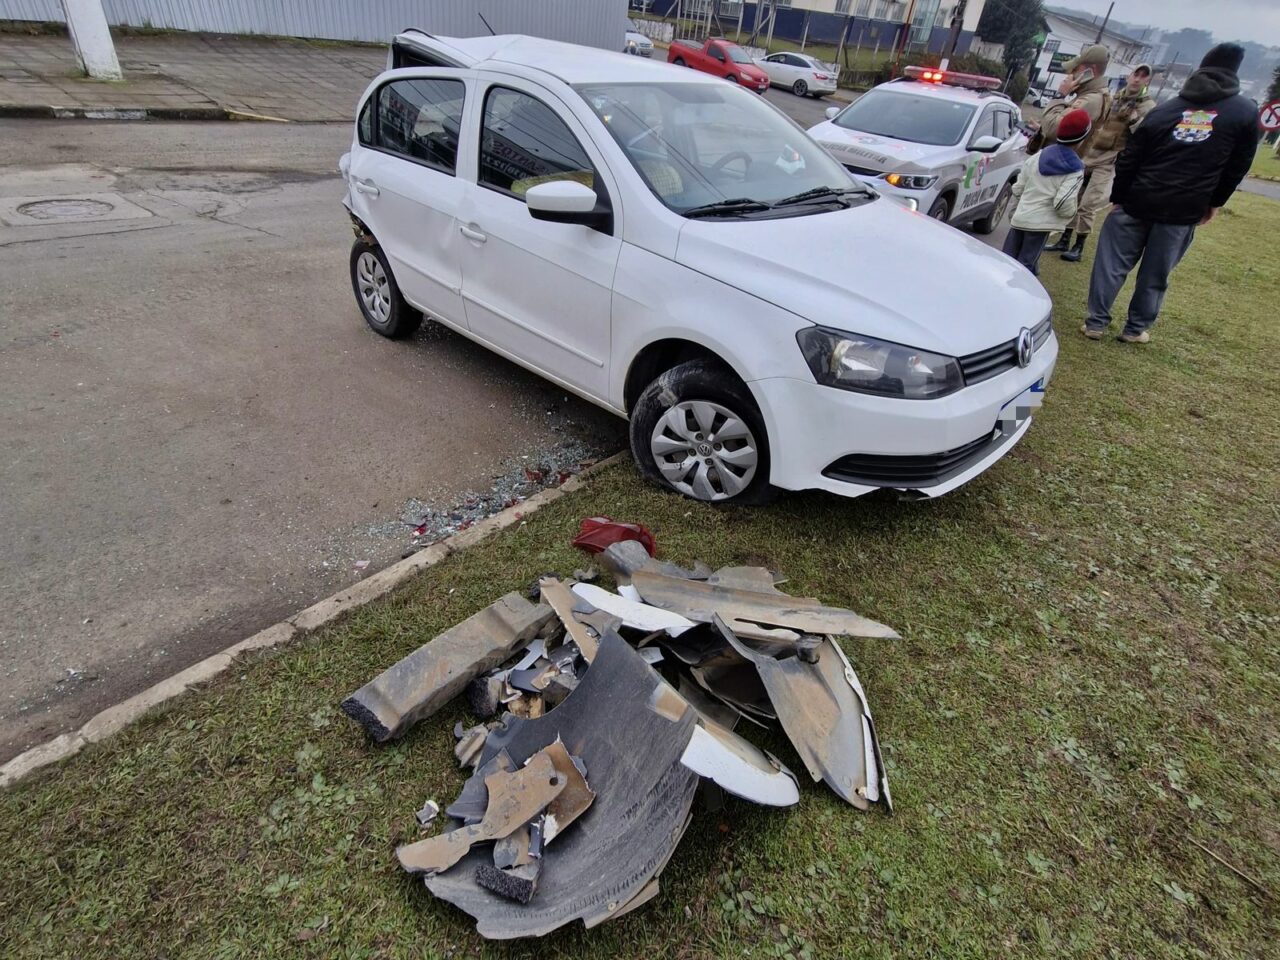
947	144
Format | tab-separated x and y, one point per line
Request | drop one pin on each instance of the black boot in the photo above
1075	253
1063	243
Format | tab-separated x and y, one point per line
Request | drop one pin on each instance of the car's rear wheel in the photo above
800	88
697	431
941	210
992	220
384	309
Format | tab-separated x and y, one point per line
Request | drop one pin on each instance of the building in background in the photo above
597	23
868	24
1069	35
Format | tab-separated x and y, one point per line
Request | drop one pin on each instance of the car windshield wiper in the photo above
822	193
726	208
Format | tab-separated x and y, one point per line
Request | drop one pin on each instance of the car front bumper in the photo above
813	428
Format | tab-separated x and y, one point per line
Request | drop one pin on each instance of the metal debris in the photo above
438	671
429	811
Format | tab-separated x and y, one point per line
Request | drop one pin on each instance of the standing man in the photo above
1083	88
1126	111
1179	168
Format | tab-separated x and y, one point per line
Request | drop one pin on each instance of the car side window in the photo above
420	120
364	126
718	54
986	126
524	143
794	61
1004	124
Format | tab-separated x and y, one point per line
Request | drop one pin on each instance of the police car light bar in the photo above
971	80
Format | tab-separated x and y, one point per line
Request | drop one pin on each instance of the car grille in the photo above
862	171
994	361
914	472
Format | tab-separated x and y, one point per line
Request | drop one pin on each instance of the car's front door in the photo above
405	186
982	171
537	291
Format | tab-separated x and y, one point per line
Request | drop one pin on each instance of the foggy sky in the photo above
1257	20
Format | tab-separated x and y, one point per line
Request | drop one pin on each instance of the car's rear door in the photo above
540	292
405	186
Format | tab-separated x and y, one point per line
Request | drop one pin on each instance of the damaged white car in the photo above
676	250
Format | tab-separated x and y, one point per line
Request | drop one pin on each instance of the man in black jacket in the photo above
1181	165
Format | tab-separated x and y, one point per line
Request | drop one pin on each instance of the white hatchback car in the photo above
673	248
800	73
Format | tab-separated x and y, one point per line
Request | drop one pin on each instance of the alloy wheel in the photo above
704	450
375	293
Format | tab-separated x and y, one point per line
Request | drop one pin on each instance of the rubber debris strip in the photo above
599	713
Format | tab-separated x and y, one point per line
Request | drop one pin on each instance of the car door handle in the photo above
365	186
471	234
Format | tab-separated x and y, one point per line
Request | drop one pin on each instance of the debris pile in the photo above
602	712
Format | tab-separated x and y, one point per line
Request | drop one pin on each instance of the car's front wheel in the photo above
678	61
697	431
800	88
941	209
992	220
384	309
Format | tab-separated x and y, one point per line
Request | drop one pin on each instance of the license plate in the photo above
1018	410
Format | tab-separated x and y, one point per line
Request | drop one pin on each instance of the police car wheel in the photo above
941	210
800	88
989	223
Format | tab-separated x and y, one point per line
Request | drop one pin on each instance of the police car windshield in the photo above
906	116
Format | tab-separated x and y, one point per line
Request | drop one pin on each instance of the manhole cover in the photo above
65	208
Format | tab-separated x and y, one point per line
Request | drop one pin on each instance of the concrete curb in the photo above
112	720
54	112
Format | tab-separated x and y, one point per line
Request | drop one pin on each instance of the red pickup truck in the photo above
721	58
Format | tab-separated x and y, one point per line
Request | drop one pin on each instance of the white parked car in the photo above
672	248
948	144
637	44
800	73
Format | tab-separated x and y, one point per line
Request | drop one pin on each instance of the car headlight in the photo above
851	361
910	181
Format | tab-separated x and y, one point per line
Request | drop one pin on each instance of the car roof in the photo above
943	91
570	62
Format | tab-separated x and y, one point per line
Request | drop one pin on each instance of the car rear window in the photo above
906	116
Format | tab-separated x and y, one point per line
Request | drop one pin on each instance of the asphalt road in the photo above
199	436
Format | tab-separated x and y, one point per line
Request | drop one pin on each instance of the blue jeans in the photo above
1124	241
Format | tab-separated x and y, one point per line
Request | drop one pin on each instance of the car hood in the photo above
876	152
875	269
751	70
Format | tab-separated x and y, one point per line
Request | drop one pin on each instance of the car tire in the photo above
732	78
678	61
988	224
941	210
377	293
675	424
800	88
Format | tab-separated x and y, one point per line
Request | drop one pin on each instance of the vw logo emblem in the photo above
1024	347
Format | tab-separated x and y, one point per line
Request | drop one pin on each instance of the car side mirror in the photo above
833	112
987	144
568	201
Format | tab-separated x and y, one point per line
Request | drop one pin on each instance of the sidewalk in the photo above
197	75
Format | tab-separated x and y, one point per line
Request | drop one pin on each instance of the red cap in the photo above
1074	126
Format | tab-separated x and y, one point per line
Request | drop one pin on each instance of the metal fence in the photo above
597	23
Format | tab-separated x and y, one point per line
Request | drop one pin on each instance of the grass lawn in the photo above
1265	163
1087	686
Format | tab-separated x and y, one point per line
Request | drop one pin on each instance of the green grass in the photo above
1265	163
1088	680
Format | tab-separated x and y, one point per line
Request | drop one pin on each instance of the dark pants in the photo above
1025	246
1124	241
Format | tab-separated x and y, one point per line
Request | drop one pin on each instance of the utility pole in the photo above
953	37
91	37
903	37
1105	20
1165	79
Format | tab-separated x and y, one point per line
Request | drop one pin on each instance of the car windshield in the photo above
697	144
906	116
737	54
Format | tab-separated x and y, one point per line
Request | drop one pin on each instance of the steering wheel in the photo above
728	158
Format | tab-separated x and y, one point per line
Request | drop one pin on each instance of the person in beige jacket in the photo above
1047	190
1110	135
1083	88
